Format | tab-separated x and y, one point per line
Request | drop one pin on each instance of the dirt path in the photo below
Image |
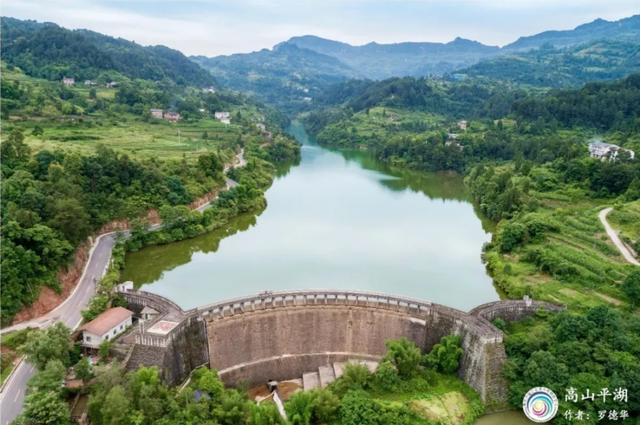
614	237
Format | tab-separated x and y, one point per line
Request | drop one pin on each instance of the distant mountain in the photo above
284	76
624	29
378	61
573	66
49	51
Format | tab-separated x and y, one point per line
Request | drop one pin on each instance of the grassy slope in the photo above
582	242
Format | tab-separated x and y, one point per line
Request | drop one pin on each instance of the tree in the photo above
299	408
92	94
104	348
116	407
46	408
84	370
37	131
405	356
71	219
49	379
264	414
444	355
210	383
631	287
325	406
52	344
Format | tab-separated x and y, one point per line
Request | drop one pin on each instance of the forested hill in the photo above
284	76
46	50
549	66
624	29
380	61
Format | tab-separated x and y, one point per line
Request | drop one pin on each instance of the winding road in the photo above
614	237
68	312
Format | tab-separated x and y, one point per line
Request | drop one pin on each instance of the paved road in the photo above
614	237
69	311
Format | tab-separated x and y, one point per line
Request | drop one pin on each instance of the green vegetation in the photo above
48	51
597	350
282	77
562	67
625	218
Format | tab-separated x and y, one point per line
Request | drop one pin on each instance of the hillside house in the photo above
68	81
219	115
106	326
156	113
225	120
307	99
393	118
453	135
261	127
172	116
462	125
111	84
202	110
89	83
209	89
604	150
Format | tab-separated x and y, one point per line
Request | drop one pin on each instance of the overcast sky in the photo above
223	27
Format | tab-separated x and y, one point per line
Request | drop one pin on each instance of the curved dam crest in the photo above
283	335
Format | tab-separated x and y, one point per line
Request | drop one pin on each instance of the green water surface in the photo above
339	219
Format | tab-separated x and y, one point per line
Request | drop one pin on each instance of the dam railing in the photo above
303	298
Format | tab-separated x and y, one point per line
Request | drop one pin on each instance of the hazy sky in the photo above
223	27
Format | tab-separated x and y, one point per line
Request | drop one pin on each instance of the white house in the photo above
261	126
462	125
209	89
604	150
156	113
221	115
225	120
106	326
68	81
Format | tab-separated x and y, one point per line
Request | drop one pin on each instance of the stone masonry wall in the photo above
187	350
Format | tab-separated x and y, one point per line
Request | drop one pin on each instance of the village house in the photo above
462	125
225	120
88	83
209	89
111	84
156	113
172	116
393	118
604	150
307	99
106	326
454	142
219	115
202	110
68	81
453	135
261	126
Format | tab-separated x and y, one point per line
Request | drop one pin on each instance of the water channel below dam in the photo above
338	219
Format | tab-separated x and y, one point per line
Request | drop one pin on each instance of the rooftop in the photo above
107	320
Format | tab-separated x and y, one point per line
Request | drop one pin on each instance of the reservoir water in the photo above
339	219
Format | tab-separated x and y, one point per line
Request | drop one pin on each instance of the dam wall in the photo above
280	336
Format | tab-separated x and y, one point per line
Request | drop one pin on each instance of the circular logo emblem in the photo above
540	404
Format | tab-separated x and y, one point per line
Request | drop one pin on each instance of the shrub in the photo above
444	355
405	356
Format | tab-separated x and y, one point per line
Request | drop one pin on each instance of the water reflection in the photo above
339	219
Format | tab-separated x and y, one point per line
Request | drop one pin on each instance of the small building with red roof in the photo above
106	326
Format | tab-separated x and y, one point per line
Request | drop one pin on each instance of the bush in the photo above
354	376
386	377
405	356
444	355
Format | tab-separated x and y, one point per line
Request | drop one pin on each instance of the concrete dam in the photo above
283	335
